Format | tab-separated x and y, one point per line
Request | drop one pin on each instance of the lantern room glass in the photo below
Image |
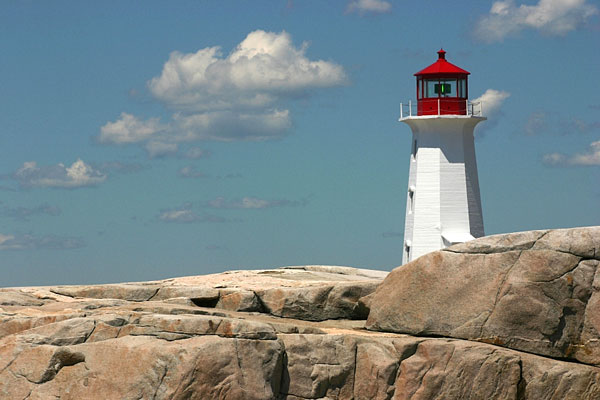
462	88
441	87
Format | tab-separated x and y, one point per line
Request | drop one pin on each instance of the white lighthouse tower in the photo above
443	204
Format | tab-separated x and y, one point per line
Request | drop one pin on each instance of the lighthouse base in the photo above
443	200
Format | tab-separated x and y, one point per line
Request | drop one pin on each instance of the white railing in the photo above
473	109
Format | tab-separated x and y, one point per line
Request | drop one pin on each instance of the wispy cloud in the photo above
79	174
23	213
577	125
536	123
190	171
553	17
195	153
253	203
157	148
363	7
33	242
588	158
186	215
542	122
113	167
239	96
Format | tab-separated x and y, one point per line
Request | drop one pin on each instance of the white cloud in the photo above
239	96
368	6
5	238
157	148
589	158
492	101
263	67
129	129
28	242
555	17
190	172
491	105
252	203
185	214
79	174
233	126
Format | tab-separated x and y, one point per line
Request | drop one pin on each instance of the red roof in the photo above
442	67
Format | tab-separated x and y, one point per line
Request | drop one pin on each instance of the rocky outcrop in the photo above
313	292
141	354
294	333
534	291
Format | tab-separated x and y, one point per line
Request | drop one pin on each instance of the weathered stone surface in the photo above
548	379
319	366
199	293
317	303
18	298
530	291
314	292
113	348
118	291
239	300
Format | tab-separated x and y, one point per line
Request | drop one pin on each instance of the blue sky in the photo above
145	140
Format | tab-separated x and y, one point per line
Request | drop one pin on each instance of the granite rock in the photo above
172	340
533	291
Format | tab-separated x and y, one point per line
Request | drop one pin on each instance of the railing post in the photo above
438	106
401	111
410	108
481	108
467	107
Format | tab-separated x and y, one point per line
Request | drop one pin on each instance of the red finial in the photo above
442	54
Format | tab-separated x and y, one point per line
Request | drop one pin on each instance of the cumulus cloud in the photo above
238	96
368	7
129	129
23	213
264	66
554	17
79	174
589	158
29	242
186	215
491	101
253	203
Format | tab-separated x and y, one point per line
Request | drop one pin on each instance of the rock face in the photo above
294	333
534	291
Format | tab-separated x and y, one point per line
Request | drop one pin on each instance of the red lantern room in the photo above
442	88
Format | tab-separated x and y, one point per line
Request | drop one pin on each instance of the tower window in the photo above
414	149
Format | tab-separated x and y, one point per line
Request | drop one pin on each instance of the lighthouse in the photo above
443	204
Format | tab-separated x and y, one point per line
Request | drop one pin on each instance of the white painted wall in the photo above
446	206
